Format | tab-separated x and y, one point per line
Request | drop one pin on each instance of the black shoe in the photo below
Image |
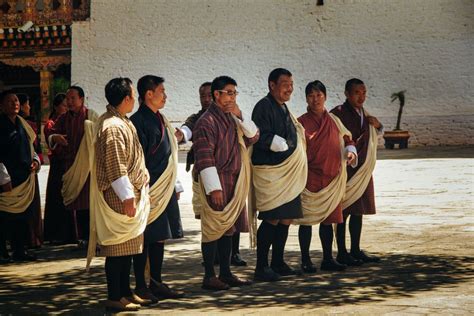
284	269
308	267
332	265
266	275
348	260
23	257
5	258
364	257
236	260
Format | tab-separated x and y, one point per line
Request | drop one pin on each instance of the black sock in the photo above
156	252
83	220
304	235
125	290
208	254
265	235
224	244
341	238
139	264
113	267
279	242
355	228
235	243
19	233
326	236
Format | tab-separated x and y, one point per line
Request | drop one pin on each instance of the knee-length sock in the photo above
355	228
224	246
326	236
265	235
341	237
139	264
304	236
279	242
235	243
113	267
156	252
125	290
209	250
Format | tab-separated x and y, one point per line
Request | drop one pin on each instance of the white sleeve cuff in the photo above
4	175
50	141
248	126
278	144
178	186
210	180
352	149
187	133
38	160
123	188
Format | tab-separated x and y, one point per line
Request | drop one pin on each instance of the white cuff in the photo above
187	133
278	144
50	141
178	186
123	188
38	160
210	180
248	126
4	175
352	149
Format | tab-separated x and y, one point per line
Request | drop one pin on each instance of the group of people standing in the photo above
120	175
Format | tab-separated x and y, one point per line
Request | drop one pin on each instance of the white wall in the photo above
423	46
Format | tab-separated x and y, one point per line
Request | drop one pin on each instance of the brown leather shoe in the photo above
122	305
135	299
162	290
234	281
145	294
214	284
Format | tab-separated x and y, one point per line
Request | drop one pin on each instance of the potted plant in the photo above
397	136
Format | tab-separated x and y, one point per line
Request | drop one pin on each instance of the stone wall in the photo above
424	47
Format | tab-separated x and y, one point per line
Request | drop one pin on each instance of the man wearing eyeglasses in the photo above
279	171
221	137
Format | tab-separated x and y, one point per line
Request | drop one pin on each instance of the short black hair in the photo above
219	83
276	73
58	99
5	93
23	98
352	82
79	90
205	84
148	82
117	89
315	85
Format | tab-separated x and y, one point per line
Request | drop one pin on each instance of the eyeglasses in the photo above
230	93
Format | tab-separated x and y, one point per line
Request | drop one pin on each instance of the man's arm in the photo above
268	140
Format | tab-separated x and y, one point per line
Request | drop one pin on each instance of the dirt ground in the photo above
424	231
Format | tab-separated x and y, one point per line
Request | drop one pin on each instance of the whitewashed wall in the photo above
423	46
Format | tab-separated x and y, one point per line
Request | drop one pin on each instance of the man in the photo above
359	198
185	134
68	134
18	167
119	197
279	174
220	140
160	148
329	149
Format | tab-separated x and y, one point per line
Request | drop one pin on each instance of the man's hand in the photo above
129	207
178	195
217	197
60	140
374	121
7	187
236	111
179	135
350	158
34	166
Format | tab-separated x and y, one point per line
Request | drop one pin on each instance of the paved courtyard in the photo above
424	231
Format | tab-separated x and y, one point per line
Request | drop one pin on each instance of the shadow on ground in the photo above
77	292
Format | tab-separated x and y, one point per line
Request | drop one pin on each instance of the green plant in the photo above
401	98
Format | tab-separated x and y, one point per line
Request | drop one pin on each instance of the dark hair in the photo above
219	83
79	90
23	98
315	86
275	74
148	82
117	89
352	82
5	93
58	99
205	84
